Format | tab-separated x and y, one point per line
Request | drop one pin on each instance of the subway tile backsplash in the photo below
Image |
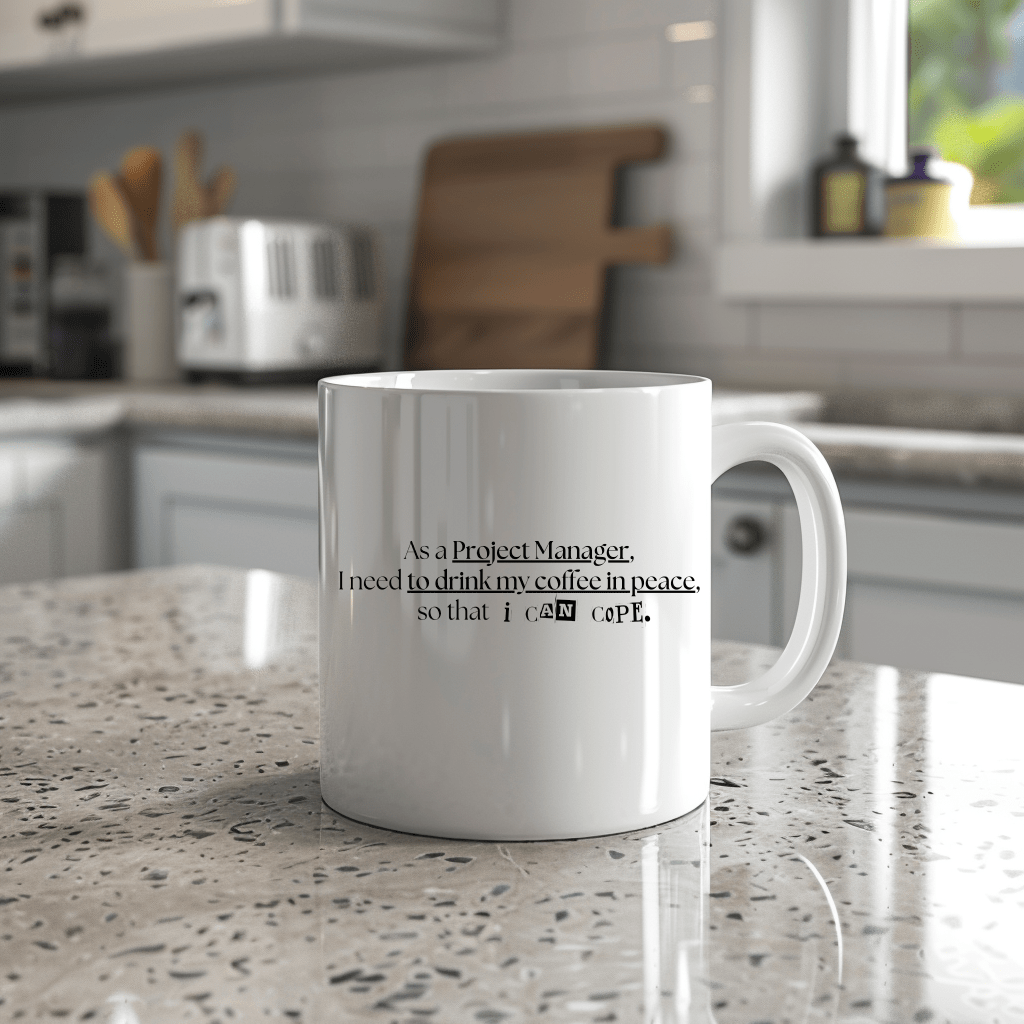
855	329
349	146
993	331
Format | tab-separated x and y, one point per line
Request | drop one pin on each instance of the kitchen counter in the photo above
922	436
926	437
84	407
52	407
166	856
924	456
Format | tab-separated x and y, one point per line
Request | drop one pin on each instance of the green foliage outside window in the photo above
954	103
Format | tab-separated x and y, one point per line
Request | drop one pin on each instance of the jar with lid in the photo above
920	205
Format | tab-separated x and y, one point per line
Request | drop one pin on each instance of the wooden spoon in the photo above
108	205
140	180
189	202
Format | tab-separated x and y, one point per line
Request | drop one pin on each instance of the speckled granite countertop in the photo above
50	407
59	407
166	857
924	436
933	456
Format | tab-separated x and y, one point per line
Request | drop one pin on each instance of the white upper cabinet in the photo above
53	47
58	32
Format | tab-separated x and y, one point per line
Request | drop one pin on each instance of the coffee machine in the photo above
37	228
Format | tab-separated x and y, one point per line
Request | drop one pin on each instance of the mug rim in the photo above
433	381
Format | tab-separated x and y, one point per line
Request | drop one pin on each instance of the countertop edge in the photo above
959	458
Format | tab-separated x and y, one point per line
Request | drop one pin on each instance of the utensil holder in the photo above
148	323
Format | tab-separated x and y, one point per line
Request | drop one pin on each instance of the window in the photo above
797	72
966	90
965	96
793	74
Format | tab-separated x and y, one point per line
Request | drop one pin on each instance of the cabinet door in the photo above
29	544
964	634
40	31
744	599
24	39
936	593
406	18
226	509
57	514
136	26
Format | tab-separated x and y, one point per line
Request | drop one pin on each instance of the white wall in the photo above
349	146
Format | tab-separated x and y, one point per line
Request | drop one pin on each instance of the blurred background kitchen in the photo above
206	204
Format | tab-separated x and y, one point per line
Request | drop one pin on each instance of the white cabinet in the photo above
936	575
745	569
24	39
226	502
61	509
62	46
32	31
936	592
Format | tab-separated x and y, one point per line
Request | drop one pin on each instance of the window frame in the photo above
795	73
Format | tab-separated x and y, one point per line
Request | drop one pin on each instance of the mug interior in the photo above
512	380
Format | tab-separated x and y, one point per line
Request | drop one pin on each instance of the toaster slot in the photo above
280	268
325	268
363	276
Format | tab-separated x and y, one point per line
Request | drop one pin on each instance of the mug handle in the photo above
819	614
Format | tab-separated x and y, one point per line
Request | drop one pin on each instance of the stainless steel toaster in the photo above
267	299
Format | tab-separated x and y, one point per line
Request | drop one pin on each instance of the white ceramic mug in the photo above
514	598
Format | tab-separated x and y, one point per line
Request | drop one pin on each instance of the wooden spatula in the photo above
219	190
193	199
108	204
140	181
189	202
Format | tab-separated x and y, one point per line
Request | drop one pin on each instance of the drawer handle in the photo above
62	14
745	535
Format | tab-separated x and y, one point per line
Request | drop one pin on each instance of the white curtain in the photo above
877	84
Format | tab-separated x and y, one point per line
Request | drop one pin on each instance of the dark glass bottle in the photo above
848	194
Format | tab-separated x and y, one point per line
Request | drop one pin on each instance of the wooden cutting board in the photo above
512	246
